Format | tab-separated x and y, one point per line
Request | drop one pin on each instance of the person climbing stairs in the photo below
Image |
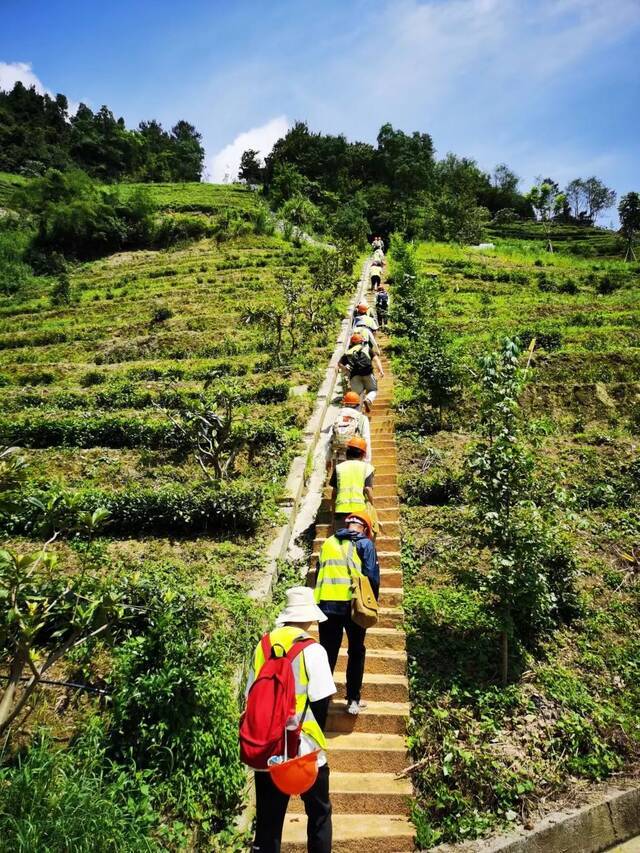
371	804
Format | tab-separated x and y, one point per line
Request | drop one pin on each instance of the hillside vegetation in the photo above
156	398
489	754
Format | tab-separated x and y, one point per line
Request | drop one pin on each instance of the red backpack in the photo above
270	703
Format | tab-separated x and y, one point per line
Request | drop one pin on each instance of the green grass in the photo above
9	183
493	756
207	198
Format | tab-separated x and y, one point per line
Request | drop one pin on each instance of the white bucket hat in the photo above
301	607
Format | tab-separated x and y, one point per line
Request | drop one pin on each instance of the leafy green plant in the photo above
46	614
509	522
59	799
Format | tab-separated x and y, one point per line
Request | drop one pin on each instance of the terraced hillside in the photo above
156	406
489	755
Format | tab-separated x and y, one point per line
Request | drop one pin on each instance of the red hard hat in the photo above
362	308
296	775
356	339
351	399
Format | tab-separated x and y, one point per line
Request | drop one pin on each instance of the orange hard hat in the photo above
363	518
296	775
356	339
362	308
358	442
351	399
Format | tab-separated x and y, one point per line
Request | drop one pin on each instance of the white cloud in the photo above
12	72
224	165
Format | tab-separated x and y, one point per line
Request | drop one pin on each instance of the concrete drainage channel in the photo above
601	825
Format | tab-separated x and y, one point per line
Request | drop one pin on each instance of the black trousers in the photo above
271	808
331	633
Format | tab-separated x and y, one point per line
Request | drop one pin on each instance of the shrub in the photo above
91	378
61	290
228	506
160	314
174	709
36	377
57	800
436	488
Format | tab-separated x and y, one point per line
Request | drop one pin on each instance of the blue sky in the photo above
548	86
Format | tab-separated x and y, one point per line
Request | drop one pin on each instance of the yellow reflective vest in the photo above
333	581
350	479
286	637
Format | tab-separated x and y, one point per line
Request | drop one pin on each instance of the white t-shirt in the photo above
321	685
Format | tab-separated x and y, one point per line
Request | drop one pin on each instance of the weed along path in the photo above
370	802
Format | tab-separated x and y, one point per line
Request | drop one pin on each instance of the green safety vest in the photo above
350	477
333	582
286	637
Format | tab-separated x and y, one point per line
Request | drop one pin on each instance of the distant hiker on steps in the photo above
349	550
348	423
375	275
289	669
382	307
352	482
364	316
357	364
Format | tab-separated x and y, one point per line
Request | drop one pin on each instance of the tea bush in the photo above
167	510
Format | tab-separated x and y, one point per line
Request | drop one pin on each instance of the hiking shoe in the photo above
367	405
354	707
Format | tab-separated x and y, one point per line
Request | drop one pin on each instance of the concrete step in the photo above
377	687
390	597
360	793
380	717
377	638
389	661
390	617
370	753
353	833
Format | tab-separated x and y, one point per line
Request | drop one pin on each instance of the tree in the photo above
588	198
251	169
504	179
187	152
530	579
548	202
629	211
575	193
598	197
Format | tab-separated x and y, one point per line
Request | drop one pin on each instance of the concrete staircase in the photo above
370	803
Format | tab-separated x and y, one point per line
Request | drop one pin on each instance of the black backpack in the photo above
359	361
382	301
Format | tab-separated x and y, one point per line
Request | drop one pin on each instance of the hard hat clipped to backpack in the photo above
295	775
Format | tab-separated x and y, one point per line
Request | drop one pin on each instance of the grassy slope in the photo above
56	361
492	755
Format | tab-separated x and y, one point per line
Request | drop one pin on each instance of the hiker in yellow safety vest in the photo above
349	551
313	685
352	482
